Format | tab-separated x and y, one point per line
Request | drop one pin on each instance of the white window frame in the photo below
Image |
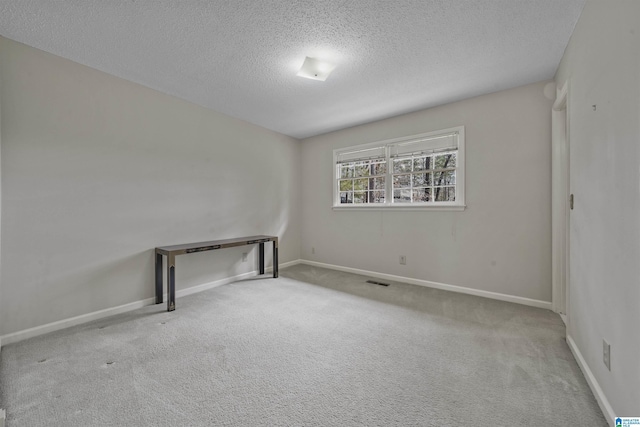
388	145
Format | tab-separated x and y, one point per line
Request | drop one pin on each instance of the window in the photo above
419	171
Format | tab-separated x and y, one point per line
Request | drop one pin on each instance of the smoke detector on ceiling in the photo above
315	69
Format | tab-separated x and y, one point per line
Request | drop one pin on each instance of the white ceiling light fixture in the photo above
315	69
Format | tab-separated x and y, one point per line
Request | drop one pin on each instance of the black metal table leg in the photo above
275	258
159	284
261	258
171	279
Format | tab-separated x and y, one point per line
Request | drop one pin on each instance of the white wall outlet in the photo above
606	354
244	257
313	250
403	260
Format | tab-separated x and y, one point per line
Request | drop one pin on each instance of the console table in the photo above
188	248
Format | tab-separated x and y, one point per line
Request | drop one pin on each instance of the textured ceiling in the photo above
240	57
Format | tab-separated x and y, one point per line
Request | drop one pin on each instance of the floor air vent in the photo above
377	283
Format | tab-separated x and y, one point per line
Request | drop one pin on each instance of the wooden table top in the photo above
186	248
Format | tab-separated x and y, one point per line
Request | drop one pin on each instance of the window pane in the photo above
362	169
445	194
421	163
346	170
378	183
380	168
401	165
360	197
346	185
422	195
401	181
346	197
445	178
402	196
377	196
445	161
361	184
422	179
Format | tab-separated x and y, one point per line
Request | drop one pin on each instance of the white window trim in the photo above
458	205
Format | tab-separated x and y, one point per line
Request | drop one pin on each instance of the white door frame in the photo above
560	201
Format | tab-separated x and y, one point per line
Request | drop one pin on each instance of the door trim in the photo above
560	191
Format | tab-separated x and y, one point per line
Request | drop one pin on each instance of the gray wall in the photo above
500	243
97	171
602	65
0	210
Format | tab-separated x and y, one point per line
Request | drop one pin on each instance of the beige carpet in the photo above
313	348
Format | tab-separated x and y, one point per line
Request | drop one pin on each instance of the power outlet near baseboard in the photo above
606	354
403	260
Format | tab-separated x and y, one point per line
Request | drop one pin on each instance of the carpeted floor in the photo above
313	348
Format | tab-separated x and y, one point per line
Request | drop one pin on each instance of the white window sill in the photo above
399	208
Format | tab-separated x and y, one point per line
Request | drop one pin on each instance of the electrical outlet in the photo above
403	260
244	257
313	250
606	354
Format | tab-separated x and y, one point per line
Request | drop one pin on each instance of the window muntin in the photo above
424	170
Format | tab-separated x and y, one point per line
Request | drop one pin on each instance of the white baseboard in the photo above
603	402
227	280
436	285
285	264
100	314
73	321
210	285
